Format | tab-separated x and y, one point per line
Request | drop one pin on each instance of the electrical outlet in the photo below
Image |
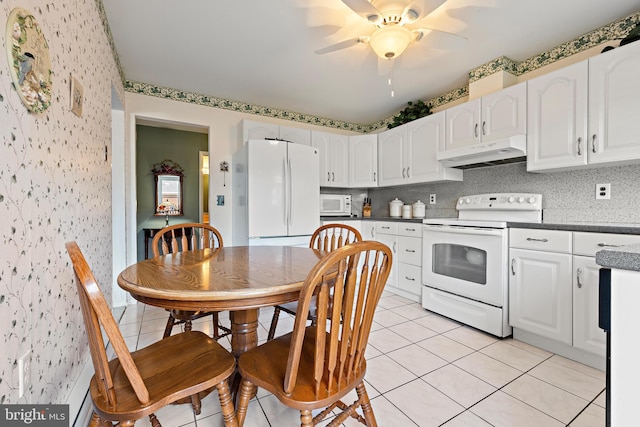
24	373
603	191
432	199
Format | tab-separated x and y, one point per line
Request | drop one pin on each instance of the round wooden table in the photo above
237	278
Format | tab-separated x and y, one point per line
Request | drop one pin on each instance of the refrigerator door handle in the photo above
285	197
290	195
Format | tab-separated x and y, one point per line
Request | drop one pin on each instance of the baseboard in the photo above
79	401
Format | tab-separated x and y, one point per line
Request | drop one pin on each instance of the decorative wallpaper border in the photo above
614	31
610	32
212	101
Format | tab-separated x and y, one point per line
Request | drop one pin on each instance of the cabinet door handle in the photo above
410	250
410	229
483	128
578	274
328	176
531	239
475	130
593	143
513	267
408	174
410	278
374	177
333	175
394	247
385	228
604	245
579	146
403	169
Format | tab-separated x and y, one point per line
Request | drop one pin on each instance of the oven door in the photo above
466	261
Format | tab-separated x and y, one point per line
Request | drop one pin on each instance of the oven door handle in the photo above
463	230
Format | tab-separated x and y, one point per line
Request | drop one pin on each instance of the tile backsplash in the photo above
566	196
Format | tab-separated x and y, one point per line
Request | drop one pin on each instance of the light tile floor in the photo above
422	370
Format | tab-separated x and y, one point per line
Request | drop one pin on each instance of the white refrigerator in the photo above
276	193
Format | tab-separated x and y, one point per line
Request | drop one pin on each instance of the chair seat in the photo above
171	369
265	366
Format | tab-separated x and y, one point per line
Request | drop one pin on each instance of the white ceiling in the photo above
262	52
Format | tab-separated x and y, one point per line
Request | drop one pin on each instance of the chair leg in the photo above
196	404
216	321
244	396
154	421
274	323
96	421
306	418
365	404
228	413
167	329
187	325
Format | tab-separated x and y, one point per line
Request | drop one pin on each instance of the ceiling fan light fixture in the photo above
390	41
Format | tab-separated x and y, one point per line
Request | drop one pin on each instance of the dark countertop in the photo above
592	227
625	257
376	218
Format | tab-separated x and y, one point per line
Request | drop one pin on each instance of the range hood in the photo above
486	153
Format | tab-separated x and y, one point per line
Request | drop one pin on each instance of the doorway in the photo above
203	187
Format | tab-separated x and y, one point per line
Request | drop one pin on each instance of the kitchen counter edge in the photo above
377	218
624	257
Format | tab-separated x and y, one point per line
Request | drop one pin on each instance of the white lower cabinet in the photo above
405	241
540	286
553	290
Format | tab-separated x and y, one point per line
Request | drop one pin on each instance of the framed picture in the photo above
77	96
29	62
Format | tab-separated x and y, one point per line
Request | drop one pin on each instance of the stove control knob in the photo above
532	199
512	199
461	201
520	199
467	200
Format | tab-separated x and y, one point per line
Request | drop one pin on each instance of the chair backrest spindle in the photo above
348	283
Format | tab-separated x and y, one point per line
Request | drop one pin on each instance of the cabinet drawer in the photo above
589	243
410	250
409	278
412	229
384	227
541	240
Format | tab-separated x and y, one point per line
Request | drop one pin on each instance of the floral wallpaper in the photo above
55	186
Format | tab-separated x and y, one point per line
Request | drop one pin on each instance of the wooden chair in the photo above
316	366
327	238
136	384
183	237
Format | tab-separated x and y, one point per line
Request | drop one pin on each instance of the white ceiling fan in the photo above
394	21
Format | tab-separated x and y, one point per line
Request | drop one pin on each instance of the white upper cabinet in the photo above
260	130
495	116
557	123
391	161
614	106
334	158
363	161
586	114
297	135
407	153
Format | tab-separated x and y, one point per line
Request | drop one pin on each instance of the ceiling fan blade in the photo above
438	39
342	45
418	9
364	9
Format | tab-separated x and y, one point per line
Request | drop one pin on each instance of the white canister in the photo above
406	212
419	209
395	208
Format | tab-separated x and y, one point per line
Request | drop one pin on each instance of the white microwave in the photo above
335	205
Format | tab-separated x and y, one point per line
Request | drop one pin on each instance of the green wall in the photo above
153	145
